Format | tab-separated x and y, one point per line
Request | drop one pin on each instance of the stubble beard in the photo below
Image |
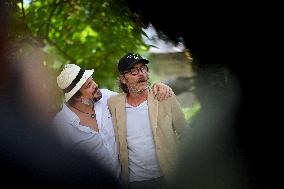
135	89
96	98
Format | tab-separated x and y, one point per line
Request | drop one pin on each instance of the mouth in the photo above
142	80
97	92
97	95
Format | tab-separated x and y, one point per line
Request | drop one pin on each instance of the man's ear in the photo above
79	97
122	79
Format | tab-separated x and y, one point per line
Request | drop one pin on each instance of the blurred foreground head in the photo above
29	149
29	152
220	151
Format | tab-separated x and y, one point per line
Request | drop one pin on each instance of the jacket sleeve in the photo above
179	123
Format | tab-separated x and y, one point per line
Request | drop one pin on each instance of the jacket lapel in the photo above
121	120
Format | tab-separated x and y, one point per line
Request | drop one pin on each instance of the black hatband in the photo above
74	82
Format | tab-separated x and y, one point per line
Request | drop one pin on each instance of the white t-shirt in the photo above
143	163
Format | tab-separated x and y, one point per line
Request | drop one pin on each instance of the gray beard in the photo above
133	90
87	101
90	102
97	99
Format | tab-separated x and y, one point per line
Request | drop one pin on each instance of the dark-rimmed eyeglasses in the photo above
135	71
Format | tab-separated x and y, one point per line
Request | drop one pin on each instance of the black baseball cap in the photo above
128	60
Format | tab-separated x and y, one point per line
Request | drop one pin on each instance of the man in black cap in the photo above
84	122
146	129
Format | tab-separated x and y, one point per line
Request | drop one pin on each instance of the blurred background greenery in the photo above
94	35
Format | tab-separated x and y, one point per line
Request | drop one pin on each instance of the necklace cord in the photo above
91	114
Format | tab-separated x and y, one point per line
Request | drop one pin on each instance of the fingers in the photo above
155	89
159	91
162	95
158	95
162	91
166	93
171	92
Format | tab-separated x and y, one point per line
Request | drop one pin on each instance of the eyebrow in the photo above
88	83
139	67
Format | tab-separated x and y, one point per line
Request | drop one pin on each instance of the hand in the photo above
162	91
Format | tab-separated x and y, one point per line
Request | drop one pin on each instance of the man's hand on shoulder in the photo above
162	91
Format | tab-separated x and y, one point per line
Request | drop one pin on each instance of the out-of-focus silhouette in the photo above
224	150
30	155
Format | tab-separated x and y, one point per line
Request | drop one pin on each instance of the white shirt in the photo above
101	146
142	158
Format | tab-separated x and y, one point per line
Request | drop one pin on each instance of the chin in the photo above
143	84
142	88
97	98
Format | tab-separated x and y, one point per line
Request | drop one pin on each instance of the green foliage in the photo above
92	34
190	112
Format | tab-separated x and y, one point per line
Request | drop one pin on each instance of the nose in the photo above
95	85
140	71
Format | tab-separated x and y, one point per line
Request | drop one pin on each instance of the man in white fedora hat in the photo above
84	122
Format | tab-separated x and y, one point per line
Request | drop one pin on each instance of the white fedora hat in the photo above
72	78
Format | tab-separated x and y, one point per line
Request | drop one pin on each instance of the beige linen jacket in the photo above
166	119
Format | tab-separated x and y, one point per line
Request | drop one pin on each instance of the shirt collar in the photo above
72	117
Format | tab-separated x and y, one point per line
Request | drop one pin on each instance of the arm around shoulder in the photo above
110	104
112	101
